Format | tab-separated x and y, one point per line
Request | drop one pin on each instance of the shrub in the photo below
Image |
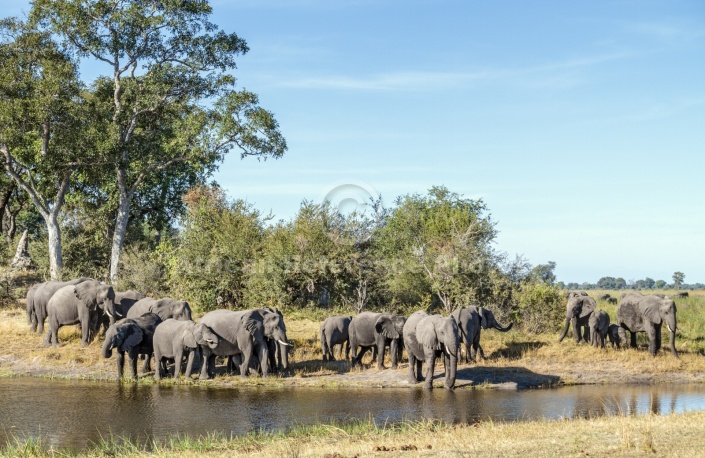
540	307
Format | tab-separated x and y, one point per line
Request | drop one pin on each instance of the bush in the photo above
541	307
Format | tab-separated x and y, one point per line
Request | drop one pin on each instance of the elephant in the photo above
598	323
79	304
240	334
40	300
29	304
427	337
174	337
471	321
611	300
124	300
334	331
166	308
604	297
369	329
134	337
278	344
682	294
578	310
639	313
616	335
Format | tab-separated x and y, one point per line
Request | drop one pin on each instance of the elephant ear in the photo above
589	306
253	325
483	317
132	336
386	327
426	336
189	337
651	310
86	293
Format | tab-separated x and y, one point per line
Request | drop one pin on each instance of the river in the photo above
75	414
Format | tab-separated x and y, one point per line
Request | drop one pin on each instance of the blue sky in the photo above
580	124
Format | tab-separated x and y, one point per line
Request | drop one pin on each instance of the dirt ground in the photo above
550	366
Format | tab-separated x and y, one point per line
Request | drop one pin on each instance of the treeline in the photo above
432	251
647	283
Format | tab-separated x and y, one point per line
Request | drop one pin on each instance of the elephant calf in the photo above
334	331
599	324
174	337
369	330
131	336
616	334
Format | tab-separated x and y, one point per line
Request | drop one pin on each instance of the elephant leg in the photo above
85	333
481	351
133	364
206	355
419	372
120	363
651	332
178	357
347	349
381	347
430	367
658	337
189	364
576	329
586	334
632	336
412	367
331	351
469	356
147	366
158	362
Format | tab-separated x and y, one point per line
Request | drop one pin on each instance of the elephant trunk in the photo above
672	340
499	327
450	380
283	347
565	329
107	348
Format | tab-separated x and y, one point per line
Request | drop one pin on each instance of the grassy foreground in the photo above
672	435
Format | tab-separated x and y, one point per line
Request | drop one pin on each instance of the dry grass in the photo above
674	436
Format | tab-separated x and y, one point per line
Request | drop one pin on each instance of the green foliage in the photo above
219	242
541	307
678	278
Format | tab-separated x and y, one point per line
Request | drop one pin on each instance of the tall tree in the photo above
41	116
168	64
678	278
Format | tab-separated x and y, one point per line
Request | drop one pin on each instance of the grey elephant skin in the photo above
578	310
471	321
376	330
37	303
599	324
166	308
131	336
333	332
427	337
639	313
240	334
275	337
616	335
79	304
174	338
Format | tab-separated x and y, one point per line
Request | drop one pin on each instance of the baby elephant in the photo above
334	331
599	324
616	335
131	336
174	337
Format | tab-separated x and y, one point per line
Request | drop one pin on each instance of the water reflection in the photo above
74	414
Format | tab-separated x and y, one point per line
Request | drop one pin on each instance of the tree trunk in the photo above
123	218
56	262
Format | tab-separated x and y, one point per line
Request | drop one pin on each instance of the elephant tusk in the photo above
118	313
447	351
209	341
108	312
669	328
284	343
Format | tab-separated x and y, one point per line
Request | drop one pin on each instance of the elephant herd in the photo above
635	313
252	340
425	338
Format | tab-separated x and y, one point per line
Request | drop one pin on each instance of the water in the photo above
73	414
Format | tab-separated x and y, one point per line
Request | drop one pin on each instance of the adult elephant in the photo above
334	331
40	300
166	308
599	324
471	321
578	310
241	334
173	338
124	300
369	329
278	344
427	337
134	337
639	313
79	304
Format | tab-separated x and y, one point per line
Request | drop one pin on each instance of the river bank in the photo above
515	361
